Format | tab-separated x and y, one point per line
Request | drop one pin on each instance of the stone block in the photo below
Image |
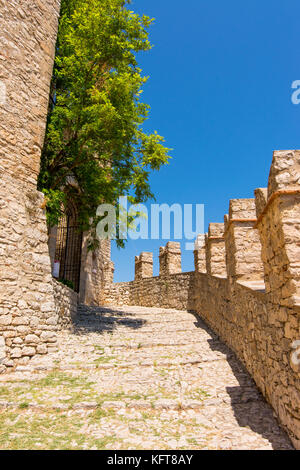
215	250
242	242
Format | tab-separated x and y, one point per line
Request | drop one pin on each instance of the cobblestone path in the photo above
136	378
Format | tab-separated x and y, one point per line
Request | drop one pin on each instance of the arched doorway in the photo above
69	246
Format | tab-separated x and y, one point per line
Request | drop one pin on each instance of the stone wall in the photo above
170	259
28	320
261	335
215	250
172	291
243	248
143	266
94	265
200	254
66	302
250	295
118	294
168	290
248	290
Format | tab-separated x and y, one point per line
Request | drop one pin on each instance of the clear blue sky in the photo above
220	92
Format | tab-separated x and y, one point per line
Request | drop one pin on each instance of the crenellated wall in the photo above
200	254
143	266
243	248
170	259
246	286
28	318
171	289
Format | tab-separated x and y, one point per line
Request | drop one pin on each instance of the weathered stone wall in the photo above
170	259
66	303
118	294
28	320
260	333
172	291
200	254
168	290
250	294
94	265
143	266
215	250
243	248
255	310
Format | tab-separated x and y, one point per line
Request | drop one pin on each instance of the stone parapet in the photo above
261	335
243	248
143	266
66	302
172	291
259	320
215	250
96	272
261	198
200	254
279	228
170	259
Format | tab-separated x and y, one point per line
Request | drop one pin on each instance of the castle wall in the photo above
215	250
200	254
170	291
250	295
66	301
259	332
28	318
92	275
143	266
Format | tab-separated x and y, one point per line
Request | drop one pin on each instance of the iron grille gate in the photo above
68	248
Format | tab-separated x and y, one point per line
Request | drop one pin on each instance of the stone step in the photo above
139	331
214	344
148	316
141	372
132	310
160	404
135	364
144	341
136	324
155	321
151	319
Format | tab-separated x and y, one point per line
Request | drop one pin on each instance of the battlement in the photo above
170	259
143	266
243	248
246	284
200	254
215	250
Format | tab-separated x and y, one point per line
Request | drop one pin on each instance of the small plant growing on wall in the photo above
67	283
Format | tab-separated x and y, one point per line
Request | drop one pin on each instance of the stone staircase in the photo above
175	362
149	378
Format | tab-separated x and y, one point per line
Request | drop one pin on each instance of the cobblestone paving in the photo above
136	378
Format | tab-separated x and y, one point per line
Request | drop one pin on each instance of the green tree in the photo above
94	132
